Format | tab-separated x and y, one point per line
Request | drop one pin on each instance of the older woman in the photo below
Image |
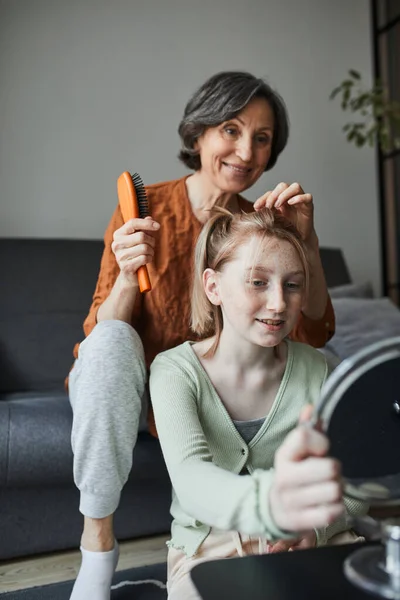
233	129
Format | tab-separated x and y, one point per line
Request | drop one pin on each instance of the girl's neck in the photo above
248	357
204	196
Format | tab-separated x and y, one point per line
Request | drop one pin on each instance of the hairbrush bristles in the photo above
143	204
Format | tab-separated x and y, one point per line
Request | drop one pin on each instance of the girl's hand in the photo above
307	490
294	204
133	246
306	540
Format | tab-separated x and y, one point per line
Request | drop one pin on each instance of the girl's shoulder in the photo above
305	357
181	358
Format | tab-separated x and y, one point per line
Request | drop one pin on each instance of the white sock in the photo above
95	575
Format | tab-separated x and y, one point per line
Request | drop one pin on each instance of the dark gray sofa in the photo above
46	289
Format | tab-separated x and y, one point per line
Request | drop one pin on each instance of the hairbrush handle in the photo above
128	202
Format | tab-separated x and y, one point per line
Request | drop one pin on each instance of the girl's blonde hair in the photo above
217	244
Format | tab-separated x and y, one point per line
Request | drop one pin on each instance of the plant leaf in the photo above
360	140
351	135
355	74
334	93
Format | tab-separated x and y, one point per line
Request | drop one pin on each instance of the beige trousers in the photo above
221	544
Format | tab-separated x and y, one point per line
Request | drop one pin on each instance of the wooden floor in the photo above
62	566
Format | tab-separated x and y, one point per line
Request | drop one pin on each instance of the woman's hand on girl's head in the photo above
294	204
307	489
133	246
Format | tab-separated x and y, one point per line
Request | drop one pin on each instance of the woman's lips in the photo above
239	169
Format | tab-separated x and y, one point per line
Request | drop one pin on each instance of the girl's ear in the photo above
211	287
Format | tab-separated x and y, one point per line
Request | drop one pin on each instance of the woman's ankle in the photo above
98	534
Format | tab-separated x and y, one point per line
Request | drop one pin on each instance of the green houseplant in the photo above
375	118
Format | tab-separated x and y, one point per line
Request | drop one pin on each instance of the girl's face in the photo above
260	291
234	154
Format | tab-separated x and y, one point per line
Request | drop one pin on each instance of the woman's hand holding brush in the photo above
133	246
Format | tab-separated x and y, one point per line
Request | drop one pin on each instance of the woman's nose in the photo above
244	149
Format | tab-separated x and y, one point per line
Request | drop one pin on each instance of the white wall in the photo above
91	88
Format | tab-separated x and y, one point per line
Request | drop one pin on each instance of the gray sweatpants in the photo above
107	394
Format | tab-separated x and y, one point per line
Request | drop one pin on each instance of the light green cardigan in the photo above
205	453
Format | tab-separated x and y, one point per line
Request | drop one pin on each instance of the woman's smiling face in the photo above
235	153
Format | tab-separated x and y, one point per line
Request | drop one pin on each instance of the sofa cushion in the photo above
47	287
352	290
361	322
36	448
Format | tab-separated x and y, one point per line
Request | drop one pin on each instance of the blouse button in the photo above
243	451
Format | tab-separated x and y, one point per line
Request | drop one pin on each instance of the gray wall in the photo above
91	88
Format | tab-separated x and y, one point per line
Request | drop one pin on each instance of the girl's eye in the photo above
291	285
257	283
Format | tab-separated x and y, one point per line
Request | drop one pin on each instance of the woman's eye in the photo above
231	131
263	140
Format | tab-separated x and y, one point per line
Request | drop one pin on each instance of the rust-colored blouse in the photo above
162	316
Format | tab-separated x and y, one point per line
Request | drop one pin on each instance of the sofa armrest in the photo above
4	441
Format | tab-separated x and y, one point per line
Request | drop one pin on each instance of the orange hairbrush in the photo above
133	203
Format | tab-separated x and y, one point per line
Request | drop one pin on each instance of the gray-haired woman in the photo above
233	129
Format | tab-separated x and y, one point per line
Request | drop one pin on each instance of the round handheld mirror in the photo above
359	410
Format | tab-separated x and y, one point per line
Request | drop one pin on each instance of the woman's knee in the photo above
112	337
110	360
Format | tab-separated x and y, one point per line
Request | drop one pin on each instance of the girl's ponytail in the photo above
211	238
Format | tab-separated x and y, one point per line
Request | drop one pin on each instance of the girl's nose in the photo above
276	299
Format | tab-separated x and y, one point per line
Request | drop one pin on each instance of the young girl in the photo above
224	405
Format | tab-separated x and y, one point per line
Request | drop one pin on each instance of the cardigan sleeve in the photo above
205	491
353	508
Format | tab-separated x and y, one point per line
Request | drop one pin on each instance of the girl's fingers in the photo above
306	413
329	492
281	546
301	443
309	540
317	516
310	471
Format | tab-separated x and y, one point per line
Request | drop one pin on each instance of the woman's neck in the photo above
204	196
